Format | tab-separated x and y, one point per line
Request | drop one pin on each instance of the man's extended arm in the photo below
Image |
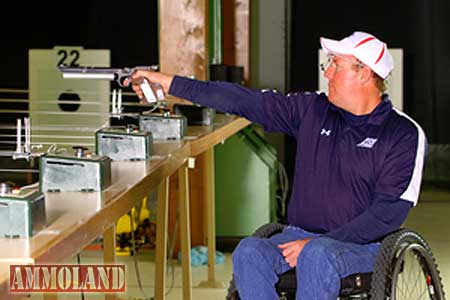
275	111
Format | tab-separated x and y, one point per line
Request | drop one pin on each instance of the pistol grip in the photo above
149	95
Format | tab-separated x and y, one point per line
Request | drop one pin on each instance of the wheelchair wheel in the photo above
405	268
264	231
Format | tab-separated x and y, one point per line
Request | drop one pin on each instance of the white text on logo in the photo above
367	143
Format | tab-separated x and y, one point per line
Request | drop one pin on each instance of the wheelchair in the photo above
405	268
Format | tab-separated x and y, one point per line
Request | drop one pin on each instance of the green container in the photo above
245	184
68	173
22	214
121	144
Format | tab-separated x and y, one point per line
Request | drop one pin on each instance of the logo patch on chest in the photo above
325	132
367	143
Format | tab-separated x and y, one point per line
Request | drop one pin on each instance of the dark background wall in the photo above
128	29
420	27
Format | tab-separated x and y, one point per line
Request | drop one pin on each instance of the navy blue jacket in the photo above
356	177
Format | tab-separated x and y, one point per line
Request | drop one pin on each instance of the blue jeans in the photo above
257	262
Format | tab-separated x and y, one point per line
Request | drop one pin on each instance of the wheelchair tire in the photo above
264	231
402	254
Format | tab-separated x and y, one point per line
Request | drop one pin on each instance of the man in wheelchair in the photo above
358	168
358	172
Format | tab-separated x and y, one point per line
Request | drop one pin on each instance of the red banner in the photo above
67	278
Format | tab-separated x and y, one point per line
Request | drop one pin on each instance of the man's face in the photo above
342	74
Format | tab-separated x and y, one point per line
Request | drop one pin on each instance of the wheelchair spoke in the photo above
411	279
419	280
406	269
414	265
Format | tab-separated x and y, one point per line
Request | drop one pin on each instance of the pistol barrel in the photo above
89	73
113	74
81	75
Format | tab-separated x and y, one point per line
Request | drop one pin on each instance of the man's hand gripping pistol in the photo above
153	91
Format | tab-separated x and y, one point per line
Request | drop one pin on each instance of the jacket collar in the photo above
377	116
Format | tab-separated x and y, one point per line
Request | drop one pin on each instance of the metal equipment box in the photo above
22	213
164	126
196	114
126	143
64	173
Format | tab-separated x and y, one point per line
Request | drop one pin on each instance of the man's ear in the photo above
365	75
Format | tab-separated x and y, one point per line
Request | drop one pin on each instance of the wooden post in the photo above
109	251
236	35
161	240
185	235
183	47
209	218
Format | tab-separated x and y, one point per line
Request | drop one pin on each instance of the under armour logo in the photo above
325	132
367	143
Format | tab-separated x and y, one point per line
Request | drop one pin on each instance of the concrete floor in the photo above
430	218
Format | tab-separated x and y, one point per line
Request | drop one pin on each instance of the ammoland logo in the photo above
67	278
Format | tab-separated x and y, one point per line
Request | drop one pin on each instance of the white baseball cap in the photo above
365	47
